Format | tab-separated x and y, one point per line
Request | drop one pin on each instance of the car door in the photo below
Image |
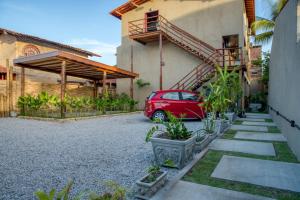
191	105
170	101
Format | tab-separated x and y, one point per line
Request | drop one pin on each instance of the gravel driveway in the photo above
37	154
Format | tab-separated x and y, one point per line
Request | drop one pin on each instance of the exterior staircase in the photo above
150	29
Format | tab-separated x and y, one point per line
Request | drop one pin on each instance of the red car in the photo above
181	103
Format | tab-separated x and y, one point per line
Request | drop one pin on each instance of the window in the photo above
171	96
152	20
3	76
189	96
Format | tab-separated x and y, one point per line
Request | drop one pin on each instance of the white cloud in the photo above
106	50
94	46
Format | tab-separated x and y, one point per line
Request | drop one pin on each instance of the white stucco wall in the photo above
284	84
207	20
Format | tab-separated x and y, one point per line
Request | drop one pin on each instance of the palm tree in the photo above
264	26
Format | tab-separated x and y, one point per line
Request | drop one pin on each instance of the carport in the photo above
67	64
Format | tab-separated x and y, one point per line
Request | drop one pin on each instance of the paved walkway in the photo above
260	136
251	119
280	175
249	128
257	148
192	191
259	123
265	173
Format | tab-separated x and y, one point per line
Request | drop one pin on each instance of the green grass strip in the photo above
237	122
201	174
273	129
268	120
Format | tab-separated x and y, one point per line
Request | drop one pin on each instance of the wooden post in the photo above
161	63
63	88
22	81
95	90
131	69
23	87
104	82
9	85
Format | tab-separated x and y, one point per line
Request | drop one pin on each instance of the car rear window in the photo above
189	96
171	96
151	95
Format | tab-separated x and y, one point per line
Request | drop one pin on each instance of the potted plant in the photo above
205	135
173	142
225	92
151	183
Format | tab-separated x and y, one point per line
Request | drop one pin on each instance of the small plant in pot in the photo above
172	142
151	183
205	135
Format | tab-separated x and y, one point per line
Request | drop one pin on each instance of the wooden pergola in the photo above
67	64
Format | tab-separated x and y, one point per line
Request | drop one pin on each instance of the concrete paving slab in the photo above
259	116
249	128
258	148
251	119
280	175
259	123
260	136
192	191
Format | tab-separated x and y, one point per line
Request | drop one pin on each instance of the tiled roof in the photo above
132	4
32	39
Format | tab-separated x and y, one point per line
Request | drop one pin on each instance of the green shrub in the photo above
44	101
174	129
114	192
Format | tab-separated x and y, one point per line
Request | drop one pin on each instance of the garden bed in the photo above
70	118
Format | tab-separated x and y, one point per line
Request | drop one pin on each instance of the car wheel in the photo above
159	115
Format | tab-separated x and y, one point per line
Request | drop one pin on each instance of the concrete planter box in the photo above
221	126
231	116
179	152
146	190
200	145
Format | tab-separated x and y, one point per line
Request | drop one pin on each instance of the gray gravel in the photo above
42	155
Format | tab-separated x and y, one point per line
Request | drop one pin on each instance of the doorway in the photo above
231	51
151	21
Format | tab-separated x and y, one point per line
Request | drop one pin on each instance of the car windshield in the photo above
151	95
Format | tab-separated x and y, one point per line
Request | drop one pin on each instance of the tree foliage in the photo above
264	26
225	92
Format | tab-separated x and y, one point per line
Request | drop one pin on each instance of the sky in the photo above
86	24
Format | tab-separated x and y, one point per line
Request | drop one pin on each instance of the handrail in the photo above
210	55
162	24
192	72
292	122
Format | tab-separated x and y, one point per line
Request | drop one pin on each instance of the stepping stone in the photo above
258	148
259	116
188	191
280	175
260	136
249	128
251	119
259	123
